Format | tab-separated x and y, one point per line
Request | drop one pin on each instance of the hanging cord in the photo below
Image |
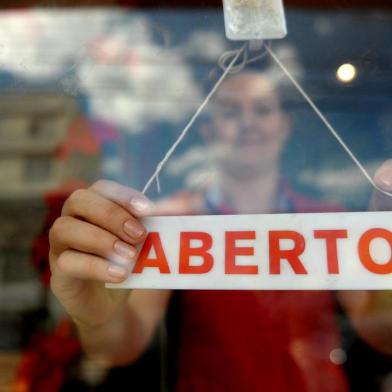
184	132
222	62
325	121
232	68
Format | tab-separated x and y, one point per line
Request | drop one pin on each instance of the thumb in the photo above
383	179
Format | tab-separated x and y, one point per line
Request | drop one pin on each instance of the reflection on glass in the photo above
346	73
81	101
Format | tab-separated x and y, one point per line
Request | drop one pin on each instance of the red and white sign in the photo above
263	252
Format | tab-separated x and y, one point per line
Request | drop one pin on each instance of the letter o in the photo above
365	255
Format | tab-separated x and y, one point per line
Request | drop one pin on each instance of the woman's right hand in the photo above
93	243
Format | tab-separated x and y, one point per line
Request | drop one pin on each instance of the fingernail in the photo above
116	271
125	250
140	203
132	229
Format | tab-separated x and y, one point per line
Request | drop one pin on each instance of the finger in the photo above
102	212
383	179
130	199
71	233
383	176
74	264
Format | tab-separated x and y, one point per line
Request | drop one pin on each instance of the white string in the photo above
158	184
231	68
246	60
226	57
326	122
184	132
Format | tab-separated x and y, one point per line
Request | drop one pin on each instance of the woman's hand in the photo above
95	242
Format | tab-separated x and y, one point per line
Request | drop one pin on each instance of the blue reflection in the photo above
145	73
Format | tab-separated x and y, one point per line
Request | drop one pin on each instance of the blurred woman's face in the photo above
248	124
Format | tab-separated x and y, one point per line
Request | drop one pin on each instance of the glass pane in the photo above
99	91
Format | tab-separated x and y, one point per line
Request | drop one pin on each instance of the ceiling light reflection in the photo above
346	73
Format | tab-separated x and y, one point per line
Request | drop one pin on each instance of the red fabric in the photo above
275	341
44	362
